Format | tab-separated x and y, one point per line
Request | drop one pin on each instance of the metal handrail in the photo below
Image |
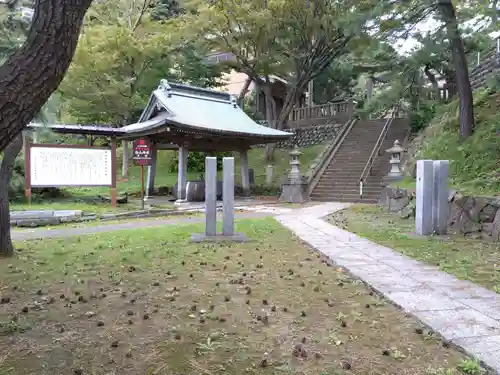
375	152
329	154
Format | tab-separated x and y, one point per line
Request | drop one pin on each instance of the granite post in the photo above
182	174
211	234
424	194
269	174
210	196
440	209
228	196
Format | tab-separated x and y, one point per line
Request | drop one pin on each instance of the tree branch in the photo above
33	73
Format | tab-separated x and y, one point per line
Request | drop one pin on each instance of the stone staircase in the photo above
340	180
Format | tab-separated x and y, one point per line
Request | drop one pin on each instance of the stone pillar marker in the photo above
211	234
440	208
424	194
182	174
228	196
210	196
269	174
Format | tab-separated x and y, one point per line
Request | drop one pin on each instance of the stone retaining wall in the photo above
472	216
483	72
310	136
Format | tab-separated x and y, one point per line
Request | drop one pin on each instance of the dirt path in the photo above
41	233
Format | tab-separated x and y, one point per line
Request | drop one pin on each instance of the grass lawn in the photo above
468	259
150	302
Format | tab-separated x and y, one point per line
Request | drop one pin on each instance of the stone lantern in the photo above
294	174
395	174
293	189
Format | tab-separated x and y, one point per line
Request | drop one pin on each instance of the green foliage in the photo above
471	367
260	190
421	117
165	9
121	57
250	107
196	161
16	188
474	161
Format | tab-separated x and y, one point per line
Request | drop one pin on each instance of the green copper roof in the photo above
198	109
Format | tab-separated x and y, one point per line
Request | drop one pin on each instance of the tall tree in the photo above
449	17
33	73
22	95
121	57
296	40
401	19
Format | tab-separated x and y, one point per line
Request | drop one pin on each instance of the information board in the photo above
66	166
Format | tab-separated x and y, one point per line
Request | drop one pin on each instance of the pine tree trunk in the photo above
9	157
464	89
243	92
432	78
270	119
33	73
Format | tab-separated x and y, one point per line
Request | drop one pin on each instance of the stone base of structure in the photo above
293	193
202	237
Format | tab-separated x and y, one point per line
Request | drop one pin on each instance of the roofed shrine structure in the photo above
189	118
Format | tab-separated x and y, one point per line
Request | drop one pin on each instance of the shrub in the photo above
196	161
260	190
421	118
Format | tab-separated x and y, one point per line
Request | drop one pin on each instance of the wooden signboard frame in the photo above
27	166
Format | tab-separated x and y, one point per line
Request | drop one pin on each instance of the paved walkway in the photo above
41	233
460	311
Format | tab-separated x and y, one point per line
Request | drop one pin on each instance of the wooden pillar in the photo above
113	172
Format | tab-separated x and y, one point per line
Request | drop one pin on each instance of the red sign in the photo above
142	152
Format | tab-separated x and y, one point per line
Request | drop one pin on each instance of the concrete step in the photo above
349	194
341	188
343	198
350	179
346	200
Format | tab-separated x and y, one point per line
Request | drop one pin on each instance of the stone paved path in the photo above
41	233
460	311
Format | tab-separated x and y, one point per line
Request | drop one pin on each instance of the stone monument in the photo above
293	190
211	234
395	174
440	206
432	209
269	174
